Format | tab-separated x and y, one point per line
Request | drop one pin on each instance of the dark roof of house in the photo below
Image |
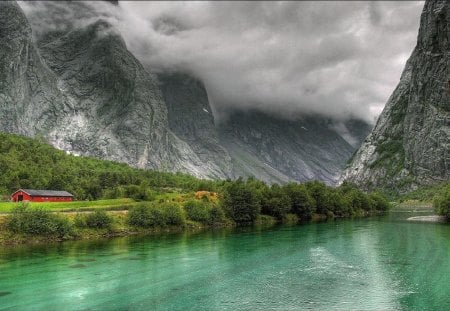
47	193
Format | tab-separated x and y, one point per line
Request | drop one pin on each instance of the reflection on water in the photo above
382	263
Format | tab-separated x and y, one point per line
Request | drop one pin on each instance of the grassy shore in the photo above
110	204
7	207
119	227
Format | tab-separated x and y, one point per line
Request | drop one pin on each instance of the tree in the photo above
319	192
275	202
241	202
301	202
378	202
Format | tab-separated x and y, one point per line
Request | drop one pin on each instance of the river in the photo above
380	263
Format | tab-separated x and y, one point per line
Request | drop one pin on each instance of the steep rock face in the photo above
116	106
191	119
280	150
27	88
410	143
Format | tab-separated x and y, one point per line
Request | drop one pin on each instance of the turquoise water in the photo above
367	264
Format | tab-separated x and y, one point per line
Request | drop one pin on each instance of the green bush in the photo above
173	214
203	212
38	222
320	194
98	219
197	211
145	215
151	215
357	200
378	202
217	215
79	220
277	206
442	202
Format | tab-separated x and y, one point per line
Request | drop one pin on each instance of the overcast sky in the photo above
338	59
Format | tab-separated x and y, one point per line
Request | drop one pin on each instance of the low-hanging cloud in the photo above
338	59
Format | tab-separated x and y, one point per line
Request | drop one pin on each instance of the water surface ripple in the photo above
381	263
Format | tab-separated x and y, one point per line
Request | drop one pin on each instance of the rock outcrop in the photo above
410	143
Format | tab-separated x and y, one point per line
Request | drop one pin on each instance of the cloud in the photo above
338	59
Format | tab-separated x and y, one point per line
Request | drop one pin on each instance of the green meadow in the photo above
111	204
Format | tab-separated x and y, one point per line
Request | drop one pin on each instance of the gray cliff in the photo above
192	120
410	143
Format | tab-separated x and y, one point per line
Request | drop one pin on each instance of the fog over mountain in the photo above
338	59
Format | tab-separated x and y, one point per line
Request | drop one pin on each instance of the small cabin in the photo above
32	195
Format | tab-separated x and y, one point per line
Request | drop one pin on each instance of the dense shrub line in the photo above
37	221
147	215
95	220
442	201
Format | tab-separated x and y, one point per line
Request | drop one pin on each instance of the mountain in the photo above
87	94
82	90
253	143
279	150
410	144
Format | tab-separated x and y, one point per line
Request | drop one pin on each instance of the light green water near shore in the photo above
382	263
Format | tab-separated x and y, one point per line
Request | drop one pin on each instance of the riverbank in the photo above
120	227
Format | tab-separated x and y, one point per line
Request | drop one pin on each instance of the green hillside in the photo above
32	163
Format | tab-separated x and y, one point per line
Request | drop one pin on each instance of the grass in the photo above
111	204
174	197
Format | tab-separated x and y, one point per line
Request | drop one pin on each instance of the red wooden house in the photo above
41	196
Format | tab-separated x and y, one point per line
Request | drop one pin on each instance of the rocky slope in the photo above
27	87
191	119
280	150
410	143
80	88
